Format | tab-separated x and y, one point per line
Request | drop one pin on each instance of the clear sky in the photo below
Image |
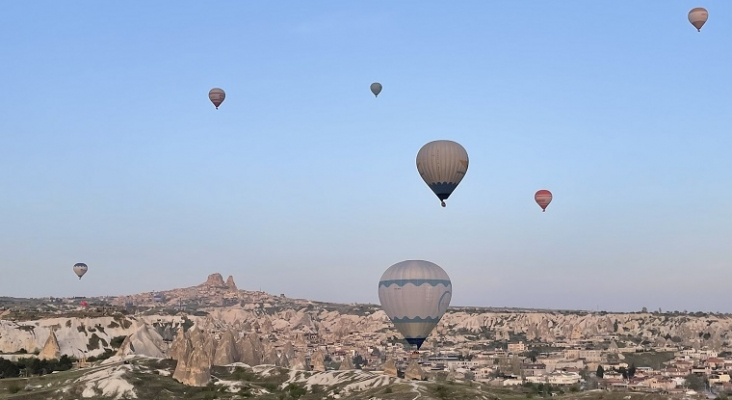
303	183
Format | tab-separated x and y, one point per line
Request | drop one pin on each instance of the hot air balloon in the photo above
442	164
698	16
415	294
543	198
80	269
376	89
216	96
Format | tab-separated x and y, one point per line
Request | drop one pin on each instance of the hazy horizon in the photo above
303	183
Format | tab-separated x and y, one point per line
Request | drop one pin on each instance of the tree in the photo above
631	371
600	371
531	355
358	362
694	382
644	310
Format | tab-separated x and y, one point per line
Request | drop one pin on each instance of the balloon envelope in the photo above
376	88
216	96
543	198
442	165
80	269
415	294
698	16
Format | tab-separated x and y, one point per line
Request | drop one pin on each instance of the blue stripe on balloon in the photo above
416	282
443	190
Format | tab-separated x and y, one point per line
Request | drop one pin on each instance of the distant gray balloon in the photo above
80	269
376	89
216	96
698	16
442	164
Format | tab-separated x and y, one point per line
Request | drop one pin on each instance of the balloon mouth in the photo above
416	342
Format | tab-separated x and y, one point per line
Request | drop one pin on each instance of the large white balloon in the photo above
80	269
442	164
415	294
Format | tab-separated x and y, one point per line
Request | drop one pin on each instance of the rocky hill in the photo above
302	322
221	325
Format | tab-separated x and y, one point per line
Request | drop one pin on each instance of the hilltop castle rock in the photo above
215	280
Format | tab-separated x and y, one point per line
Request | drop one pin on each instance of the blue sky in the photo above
303	183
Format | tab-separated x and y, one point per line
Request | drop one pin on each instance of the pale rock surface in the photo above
283	361
126	348
300	363
390	367
318	361
209	346
198	368
177	348
51	350
182	369
270	354
347	363
289	351
226	350
414	371
146	341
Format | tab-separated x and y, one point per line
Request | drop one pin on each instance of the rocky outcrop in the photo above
177	349
250	349
126	348
51	350
182	369
414	371
215	280
198	368
317	361
283	361
194	365
226	350
347	363
230	283
146	341
299	363
390	367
